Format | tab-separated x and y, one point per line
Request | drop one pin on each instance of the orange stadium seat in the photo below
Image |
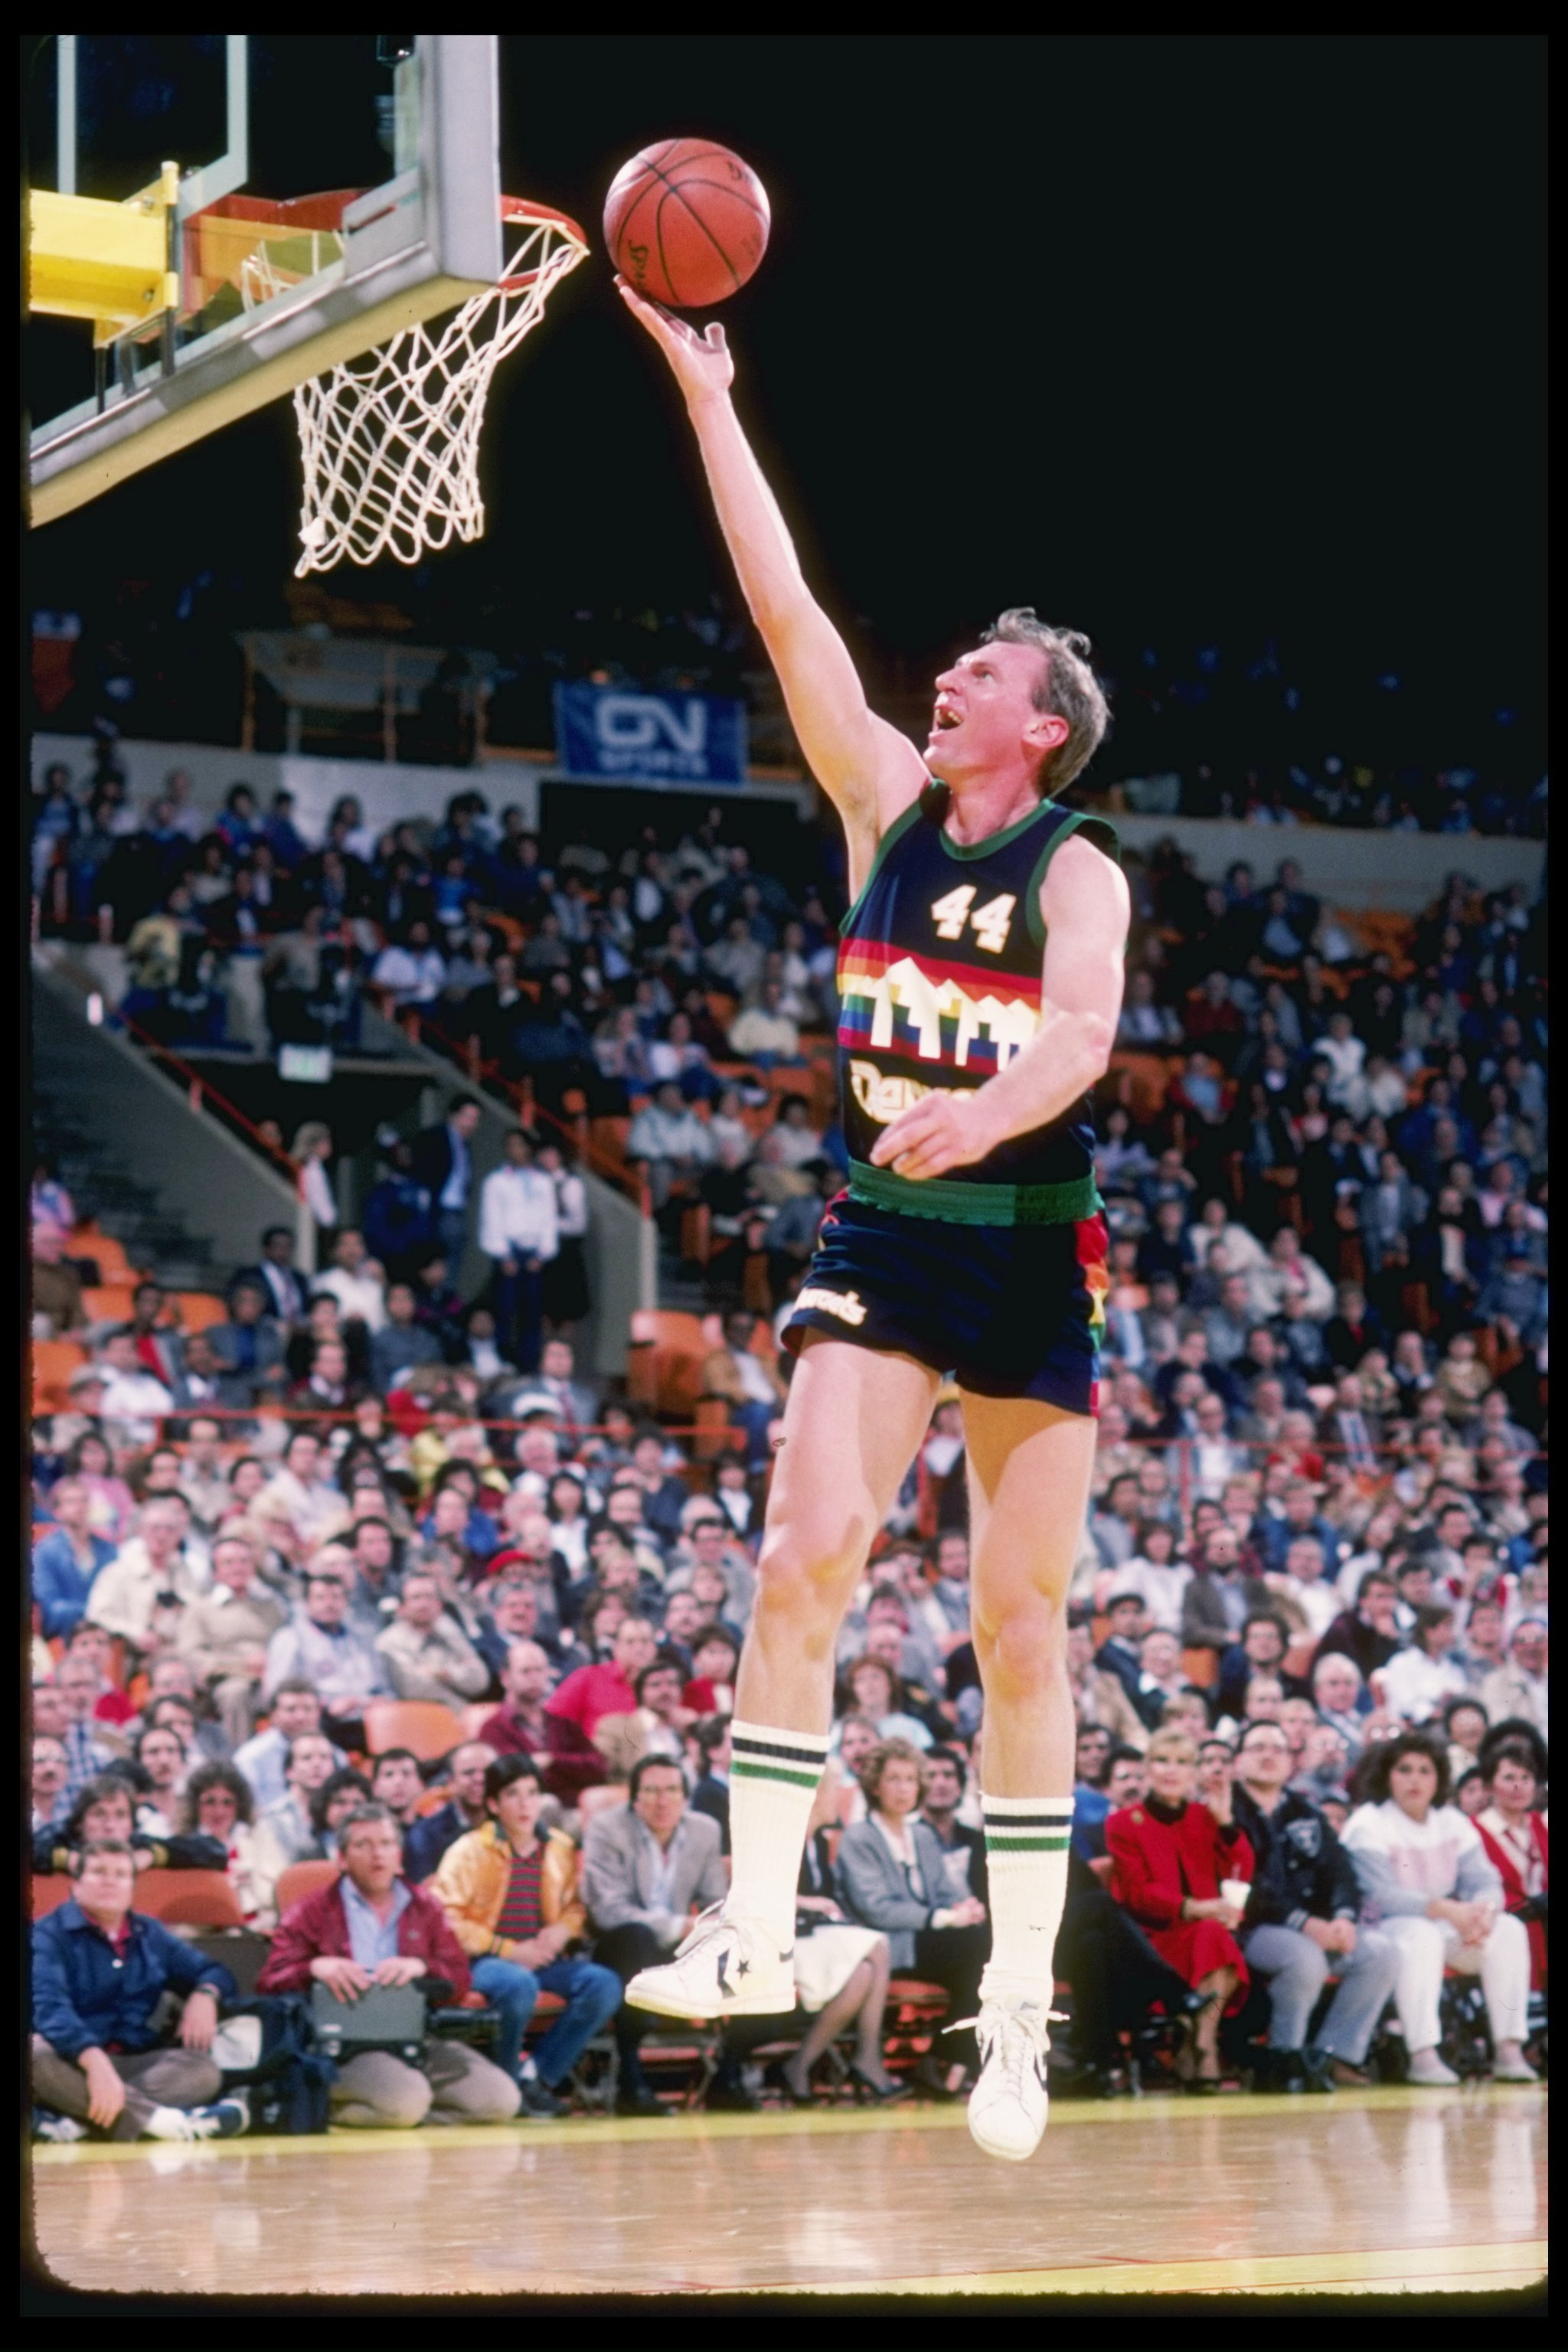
50	1889
199	1310
109	1255
302	1878
110	1303
664	1365
1141	1081
1201	1668
53	1362
423	1727
188	1898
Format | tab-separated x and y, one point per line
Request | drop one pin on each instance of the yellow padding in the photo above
93	261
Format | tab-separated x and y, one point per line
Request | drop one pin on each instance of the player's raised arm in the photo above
1085	907
868	770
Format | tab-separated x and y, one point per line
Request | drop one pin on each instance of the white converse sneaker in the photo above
1009	2104
726	1967
1430	2073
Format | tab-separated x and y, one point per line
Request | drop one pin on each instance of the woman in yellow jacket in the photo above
512	1897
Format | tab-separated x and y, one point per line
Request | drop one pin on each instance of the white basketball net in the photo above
390	443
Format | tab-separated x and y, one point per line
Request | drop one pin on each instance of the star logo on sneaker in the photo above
742	1968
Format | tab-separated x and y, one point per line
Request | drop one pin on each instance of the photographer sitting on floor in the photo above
371	1927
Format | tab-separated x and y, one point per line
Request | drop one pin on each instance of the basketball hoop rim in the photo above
513	209
518	208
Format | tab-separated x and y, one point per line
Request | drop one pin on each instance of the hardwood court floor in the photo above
1373	2190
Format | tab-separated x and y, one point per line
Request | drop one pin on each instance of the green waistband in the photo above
975	1204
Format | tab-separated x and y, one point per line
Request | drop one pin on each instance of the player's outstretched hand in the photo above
702	365
944	1129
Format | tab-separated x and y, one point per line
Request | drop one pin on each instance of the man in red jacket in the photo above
370	1927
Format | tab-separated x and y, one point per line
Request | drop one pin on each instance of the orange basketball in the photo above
686	222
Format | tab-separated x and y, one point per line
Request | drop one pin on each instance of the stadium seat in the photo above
1140	1080
199	1310
188	1898
53	1362
714	1435
428	1730
1416	1302
692	2045
114	1265
302	1878
696	1233
664	1365
608	1139
913	2013
111	1304
1201	1668
50	1889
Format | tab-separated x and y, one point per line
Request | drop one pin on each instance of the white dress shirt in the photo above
359	1296
518	1214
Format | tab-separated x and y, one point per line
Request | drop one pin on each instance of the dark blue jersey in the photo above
939	983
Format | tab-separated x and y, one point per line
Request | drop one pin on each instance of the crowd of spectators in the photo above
1317	1534
660	989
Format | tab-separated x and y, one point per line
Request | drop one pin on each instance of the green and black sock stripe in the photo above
798	1767
1044	1828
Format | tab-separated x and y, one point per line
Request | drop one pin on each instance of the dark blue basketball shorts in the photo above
1005	1310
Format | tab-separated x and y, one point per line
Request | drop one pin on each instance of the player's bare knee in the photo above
1022	1653
805	1578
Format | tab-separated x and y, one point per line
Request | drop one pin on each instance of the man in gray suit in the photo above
647	1866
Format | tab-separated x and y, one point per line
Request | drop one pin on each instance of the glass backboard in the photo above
333	189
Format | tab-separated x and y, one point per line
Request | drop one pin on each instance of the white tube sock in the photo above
773	1777
1026	1866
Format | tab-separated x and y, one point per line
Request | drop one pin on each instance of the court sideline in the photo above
1373	2191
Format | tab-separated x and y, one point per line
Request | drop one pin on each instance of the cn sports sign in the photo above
610	731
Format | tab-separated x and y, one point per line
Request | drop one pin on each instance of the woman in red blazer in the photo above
1514	1835
1170	1856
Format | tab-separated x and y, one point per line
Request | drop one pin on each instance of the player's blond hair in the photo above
1068	689
1170	1743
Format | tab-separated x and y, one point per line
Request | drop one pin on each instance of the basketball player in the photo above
981	981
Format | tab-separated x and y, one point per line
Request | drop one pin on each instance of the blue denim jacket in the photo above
60	1586
85	1997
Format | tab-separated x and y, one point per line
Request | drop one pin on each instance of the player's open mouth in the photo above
943	720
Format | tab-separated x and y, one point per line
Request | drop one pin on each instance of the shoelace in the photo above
1053	2017
1022	2033
706	1926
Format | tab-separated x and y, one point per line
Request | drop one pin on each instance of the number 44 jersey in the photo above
939	982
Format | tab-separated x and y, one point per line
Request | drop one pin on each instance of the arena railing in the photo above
203	1095
408	1416
519	1095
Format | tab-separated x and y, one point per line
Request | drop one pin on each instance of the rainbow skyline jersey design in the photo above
939	982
